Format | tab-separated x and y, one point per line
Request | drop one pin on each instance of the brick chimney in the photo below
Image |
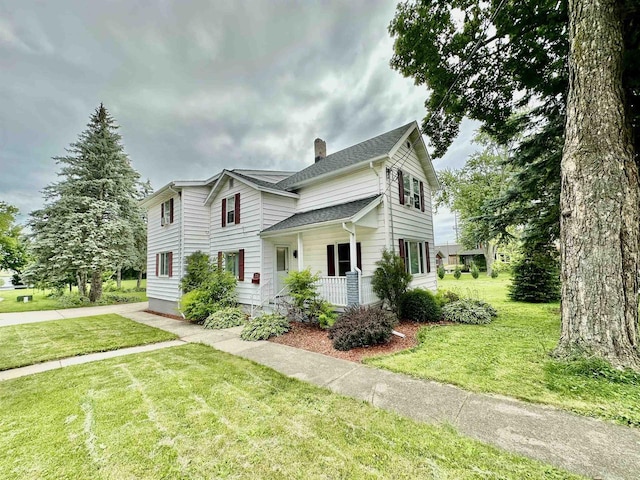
321	149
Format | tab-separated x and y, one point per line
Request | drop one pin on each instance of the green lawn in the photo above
38	342
41	301
511	357
194	412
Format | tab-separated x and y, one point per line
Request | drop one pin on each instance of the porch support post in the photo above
353	288
300	253
353	251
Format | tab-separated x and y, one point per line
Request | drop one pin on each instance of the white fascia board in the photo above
156	196
340	171
304	228
403	139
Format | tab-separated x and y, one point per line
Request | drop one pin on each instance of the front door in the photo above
282	266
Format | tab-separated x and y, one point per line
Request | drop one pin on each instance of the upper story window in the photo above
231	210
166	212
411	190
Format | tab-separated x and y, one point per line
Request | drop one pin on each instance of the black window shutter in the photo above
422	196
171	211
237	208
157	264
331	260
219	260
401	187
170	264
402	252
224	212
161	213
428	256
359	255
241	265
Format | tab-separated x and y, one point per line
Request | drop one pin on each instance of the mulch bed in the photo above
315	339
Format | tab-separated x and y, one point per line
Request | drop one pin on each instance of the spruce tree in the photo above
86	227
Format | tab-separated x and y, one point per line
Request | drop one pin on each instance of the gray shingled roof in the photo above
258	181
326	214
372	148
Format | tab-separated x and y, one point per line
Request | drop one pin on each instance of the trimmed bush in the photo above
469	311
264	327
446	296
362	326
456	273
327	316
494	273
198	271
226	318
441	272
475	271
420	305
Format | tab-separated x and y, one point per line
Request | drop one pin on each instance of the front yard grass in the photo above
42	301
194	412
31	343
510	356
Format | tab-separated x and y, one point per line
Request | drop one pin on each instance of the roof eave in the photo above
149	200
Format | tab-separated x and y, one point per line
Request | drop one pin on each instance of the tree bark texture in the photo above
600	195
81	278
139	282
119	278
96	286
489	255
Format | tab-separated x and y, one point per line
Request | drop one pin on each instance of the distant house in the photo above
457	254
335	217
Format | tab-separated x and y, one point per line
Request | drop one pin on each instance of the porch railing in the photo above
333	290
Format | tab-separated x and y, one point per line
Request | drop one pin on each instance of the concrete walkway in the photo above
17	318
590	447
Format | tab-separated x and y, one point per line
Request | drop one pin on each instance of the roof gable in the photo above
257	183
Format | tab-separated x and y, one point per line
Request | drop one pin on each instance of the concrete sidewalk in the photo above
18	318
590	447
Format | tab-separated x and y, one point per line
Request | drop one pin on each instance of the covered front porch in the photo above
342	250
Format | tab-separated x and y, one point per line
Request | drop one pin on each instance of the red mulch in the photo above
315	339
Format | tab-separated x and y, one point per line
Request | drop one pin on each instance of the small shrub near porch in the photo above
306	304
265	327
226	318
420	305
362	326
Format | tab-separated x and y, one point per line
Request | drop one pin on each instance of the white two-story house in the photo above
335	217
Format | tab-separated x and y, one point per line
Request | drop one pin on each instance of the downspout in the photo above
390	203
180	237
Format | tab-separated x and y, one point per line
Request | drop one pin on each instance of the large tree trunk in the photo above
96	286
119	278
81	278
599	201
139	282
489	255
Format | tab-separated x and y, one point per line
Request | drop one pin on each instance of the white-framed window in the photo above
163	269
412	192
231	210
166	212
414	257
232	263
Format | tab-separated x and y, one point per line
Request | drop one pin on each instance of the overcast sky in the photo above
199	86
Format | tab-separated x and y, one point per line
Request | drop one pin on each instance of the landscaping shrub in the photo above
441	272
468	311
419	305
390	280
264	327
361	326
456	273
536	276
446	296
494	273
226	318
306	304
198	271
327	316
475	271
216	293
115	298
71	300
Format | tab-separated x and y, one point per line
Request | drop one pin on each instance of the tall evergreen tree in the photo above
86	227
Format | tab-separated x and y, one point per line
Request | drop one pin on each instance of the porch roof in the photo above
344	212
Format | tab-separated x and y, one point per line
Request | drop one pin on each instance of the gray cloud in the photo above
196	86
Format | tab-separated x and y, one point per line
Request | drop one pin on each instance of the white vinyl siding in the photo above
343	188
409	222
164	239
243	235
